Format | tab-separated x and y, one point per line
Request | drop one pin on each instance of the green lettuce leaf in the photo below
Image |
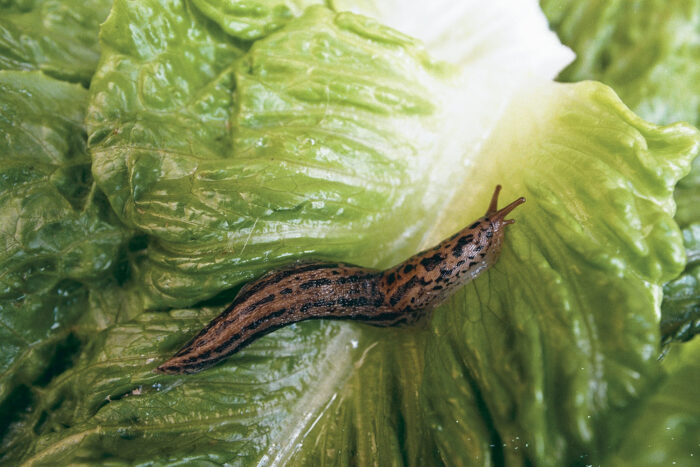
665	429
688	198
487	370
251	20
680	319
262	409
57	37
37	343
58	237
561	337
57	231
650	54
546	354
217	178
219	175
55	224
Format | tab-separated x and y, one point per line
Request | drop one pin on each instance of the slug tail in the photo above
164	369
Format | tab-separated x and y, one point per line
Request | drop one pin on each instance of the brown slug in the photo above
399	295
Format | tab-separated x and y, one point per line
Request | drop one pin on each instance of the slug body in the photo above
399	295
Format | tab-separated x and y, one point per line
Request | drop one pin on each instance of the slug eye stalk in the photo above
499	214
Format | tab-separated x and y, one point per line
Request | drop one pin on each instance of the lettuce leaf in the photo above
561	337
681	306
540	361
293	396
56	37
664	429
55	224
57	231
680	318
266	408
217	178
251	20
219	175
650	54
229	158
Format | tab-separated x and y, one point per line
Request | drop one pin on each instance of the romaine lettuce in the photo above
665	427
217	176
57	232
58	37
680	318
561	336
330	135
510	37
649	52
229	182
252	19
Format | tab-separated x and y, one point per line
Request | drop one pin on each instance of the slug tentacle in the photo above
402	294
500	214
493	205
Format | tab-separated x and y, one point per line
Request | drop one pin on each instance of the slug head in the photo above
496	220
496	215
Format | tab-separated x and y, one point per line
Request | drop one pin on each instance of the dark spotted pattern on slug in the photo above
399	295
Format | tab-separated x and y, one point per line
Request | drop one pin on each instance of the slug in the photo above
399	295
